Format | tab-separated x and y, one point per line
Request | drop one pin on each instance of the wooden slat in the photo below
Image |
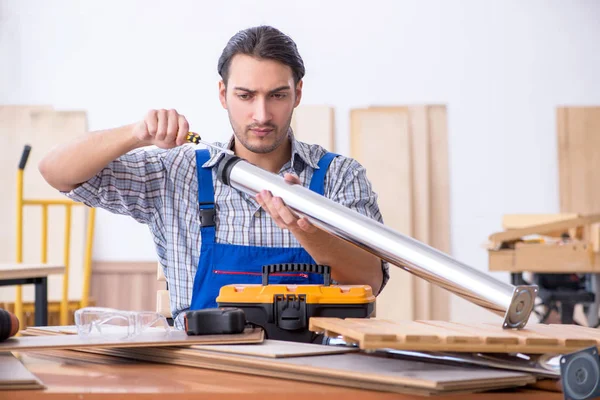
21	271
314	124
450	336
515	234
380	142
404	331
579	159
568	337
175	338
519	221
421	210
493	338
440	201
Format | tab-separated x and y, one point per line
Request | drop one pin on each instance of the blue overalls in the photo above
225	264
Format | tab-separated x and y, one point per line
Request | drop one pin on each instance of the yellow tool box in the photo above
283	311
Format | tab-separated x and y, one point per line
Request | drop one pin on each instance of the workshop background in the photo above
484	79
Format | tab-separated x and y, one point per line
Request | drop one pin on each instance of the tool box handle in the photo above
324	270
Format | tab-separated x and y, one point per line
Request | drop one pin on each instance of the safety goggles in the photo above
109	322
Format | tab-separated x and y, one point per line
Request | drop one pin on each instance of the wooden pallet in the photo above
449	336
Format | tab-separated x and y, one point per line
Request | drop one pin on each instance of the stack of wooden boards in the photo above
333	365
534	243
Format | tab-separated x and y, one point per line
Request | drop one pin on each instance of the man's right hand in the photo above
162	128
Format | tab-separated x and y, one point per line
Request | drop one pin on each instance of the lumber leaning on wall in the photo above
578	130
405	151
314	124
42	128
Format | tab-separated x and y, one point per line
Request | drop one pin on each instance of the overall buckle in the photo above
207	217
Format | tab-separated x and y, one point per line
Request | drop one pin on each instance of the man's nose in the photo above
261	112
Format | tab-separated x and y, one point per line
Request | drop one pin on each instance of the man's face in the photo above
260	98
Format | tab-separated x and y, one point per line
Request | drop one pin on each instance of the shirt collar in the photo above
299	149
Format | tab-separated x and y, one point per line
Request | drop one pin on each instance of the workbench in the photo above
128	379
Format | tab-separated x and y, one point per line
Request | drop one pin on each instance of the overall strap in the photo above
317	183
206	197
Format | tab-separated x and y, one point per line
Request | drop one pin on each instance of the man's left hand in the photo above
283	216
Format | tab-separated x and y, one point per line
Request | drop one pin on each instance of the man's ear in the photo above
298	93
223	94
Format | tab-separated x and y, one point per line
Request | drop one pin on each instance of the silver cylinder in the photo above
514	303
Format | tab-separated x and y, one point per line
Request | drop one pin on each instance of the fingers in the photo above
172	127
276	208
291	178
152	123
162	122
166	128
306	226
184	128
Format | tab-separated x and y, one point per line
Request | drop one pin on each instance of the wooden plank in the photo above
421	205
379	140
440	200
579	159
519	221
174	338
273	349
42	128
314	124
564	159
14	375
492	338
568	337
515	234
451	336
21	271
15	132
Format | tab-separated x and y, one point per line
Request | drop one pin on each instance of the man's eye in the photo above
279	95
244	96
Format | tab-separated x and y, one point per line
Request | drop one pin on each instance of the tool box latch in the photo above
290	311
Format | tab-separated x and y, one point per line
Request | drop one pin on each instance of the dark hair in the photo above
262	42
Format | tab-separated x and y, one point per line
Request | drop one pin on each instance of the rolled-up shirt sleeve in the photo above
351	188
132	185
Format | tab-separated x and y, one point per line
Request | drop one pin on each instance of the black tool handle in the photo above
24	156
324	270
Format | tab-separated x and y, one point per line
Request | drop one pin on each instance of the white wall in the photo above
501	66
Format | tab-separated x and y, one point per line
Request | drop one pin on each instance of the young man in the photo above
166	188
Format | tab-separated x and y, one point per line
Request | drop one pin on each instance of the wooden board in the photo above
411	144
353	370
448	336
380	141
175	338
15	130
579	159
276	349
267	348
42	128
440	200
518	221
14	375
21	271
314	124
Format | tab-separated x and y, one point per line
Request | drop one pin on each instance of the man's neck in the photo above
271	162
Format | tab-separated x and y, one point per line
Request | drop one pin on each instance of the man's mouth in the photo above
261	132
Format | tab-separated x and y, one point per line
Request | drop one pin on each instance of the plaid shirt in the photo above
159	188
